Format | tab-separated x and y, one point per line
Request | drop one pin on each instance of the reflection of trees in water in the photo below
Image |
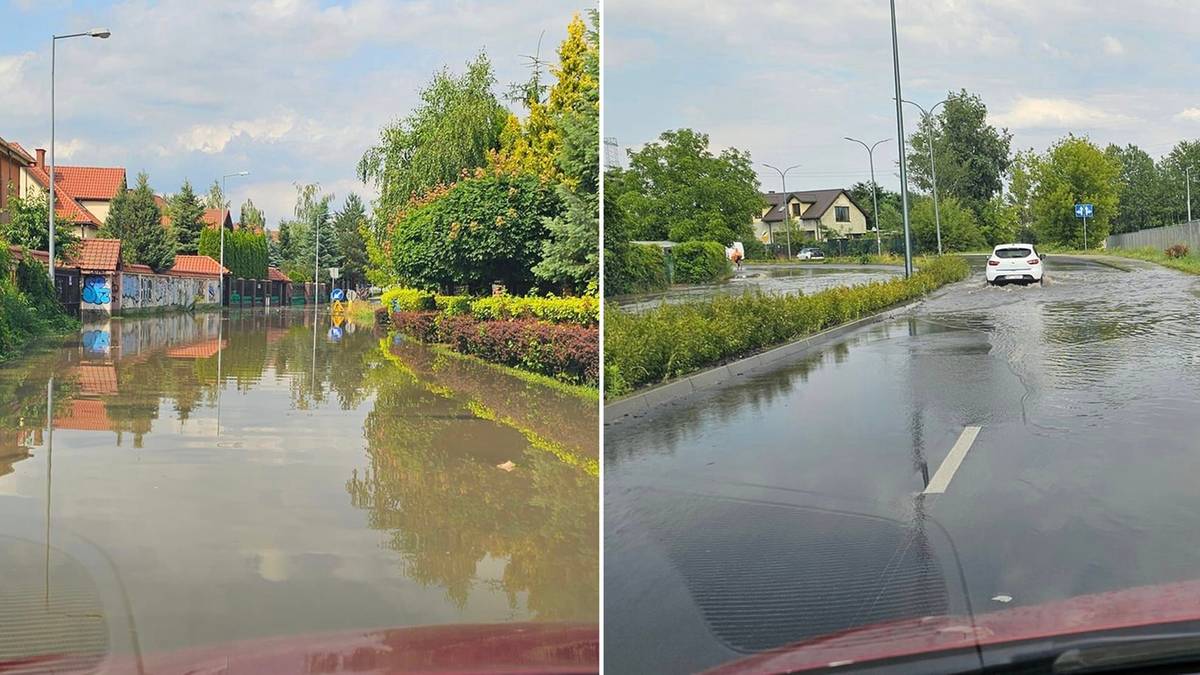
434	485
23	402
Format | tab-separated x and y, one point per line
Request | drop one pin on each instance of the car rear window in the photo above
1012	252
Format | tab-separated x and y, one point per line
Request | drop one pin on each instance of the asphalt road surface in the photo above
823	494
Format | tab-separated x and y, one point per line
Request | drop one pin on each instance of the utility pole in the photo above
787	215
874	199
908	267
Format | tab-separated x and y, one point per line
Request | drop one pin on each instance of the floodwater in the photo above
772	279
789	503
207	479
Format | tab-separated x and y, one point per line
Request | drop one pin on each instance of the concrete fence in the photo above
1159	237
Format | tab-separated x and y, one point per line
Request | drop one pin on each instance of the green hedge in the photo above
700	262
453	305
408	300
245	251
583	310
643	268
677	339
29	308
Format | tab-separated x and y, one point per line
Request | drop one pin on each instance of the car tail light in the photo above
993	263
1033	261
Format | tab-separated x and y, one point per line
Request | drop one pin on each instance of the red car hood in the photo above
525	648
1129	608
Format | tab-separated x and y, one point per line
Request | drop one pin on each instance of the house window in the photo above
841	214
796	210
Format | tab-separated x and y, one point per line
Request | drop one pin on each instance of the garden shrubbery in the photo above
567	352
583	310
677	339
408	300
28	308
698	262
636	268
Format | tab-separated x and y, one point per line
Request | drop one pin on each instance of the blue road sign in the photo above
338	294
1083	210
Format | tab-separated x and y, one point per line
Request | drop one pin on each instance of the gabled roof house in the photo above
820	214
82	194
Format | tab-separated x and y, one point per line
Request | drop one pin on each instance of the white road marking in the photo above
945	472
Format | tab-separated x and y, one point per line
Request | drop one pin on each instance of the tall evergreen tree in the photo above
187	218
135	219
348	226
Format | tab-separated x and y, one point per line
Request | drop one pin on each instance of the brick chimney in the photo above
41	160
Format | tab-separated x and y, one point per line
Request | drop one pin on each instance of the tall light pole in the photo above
787	215
937	218
874	199
221	225
900	135
101	33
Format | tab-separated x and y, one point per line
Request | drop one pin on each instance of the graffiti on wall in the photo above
96	290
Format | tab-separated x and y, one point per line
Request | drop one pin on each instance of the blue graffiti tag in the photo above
96	341
95	290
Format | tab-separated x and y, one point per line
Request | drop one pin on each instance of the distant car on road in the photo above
1019	263
810	254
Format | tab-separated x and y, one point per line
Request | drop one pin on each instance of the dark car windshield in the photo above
1012	252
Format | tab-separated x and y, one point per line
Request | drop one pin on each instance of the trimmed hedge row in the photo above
567	352
674	340
700	262
583	310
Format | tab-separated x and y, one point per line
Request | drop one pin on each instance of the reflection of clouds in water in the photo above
273	565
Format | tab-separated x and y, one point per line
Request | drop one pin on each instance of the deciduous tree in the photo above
972	156
1074	170
23	223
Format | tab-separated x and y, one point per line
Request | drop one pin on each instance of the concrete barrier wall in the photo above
141	291
1159	237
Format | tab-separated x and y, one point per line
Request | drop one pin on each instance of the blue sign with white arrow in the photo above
1083	210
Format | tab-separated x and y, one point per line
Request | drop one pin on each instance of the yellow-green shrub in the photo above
583	310
408	300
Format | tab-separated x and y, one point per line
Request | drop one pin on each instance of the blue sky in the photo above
787	80
290	90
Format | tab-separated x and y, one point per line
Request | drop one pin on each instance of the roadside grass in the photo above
673	340
1188	263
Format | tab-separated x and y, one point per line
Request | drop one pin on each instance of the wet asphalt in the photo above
789	504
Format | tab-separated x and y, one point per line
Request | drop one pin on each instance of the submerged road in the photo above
992	448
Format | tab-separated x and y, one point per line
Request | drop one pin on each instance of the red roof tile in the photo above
18	251
16	149
199	350
97	379
90	182
199	265
137	268
98	254
162	208
85	414
215	217
275	274
65	206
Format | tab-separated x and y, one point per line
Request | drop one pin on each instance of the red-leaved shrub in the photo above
567	352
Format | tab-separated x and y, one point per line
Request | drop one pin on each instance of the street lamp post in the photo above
874	199
900	135
221	225
787	215
101	33
937	217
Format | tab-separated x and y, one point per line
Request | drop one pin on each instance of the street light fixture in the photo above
874	199
937	218
900	135
221	225
101	33
787	215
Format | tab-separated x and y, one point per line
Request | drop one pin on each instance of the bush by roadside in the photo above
699	262
567	352
581	310
637	268
28	308
674	340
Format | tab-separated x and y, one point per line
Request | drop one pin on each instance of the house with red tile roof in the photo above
12	159
82	194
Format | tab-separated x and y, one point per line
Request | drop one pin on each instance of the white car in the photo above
810	254
1019	263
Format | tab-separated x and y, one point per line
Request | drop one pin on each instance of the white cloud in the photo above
12	71
1063	113
212	138
1112	46
1188	115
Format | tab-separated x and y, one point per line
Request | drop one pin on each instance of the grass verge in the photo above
1188	263
670	341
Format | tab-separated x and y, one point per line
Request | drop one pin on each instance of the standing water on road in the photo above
772	279
205	480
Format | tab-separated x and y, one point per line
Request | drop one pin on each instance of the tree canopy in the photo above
457	123
677	189
135	219
251	216
1074	170
24	223
972	156
187	218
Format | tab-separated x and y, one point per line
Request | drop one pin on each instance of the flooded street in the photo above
771	279
207	481
814	497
